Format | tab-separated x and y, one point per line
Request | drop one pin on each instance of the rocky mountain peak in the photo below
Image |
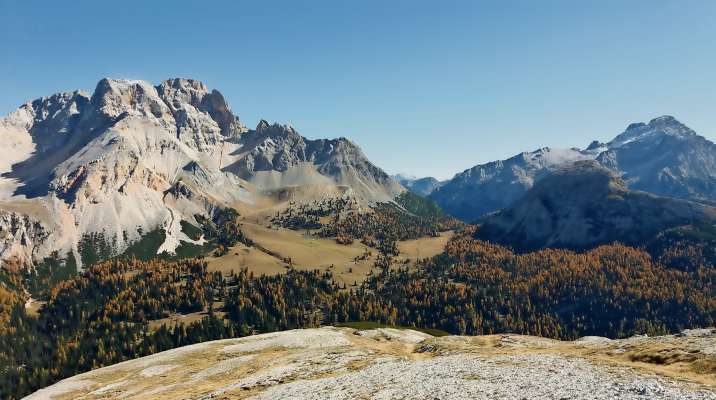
54	115
262	126
58	103
635	125
280	148
670	126
275	129
595	145
665	120
664	157
215	104
197	108
420	186
115	97
583	204
194	89
657	127
489	187
177	92
199	116
135	158
404	177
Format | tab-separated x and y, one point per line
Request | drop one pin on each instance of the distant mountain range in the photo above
584	204
132	158
420	186
108	168
663	157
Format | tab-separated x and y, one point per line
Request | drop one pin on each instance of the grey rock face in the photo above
493	186
584	204
663	157
135	158
59	128
17	233
190	103
275	147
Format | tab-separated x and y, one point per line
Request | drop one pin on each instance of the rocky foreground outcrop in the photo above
343	363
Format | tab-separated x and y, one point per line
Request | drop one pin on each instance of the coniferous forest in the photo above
517	176
113	311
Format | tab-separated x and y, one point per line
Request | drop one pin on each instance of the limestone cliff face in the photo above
277	155
133	158
19	236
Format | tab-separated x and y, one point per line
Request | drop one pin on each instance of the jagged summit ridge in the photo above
133	158
664	125
275	148
662	156
187	98
200	117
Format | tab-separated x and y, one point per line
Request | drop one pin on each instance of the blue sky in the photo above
427	88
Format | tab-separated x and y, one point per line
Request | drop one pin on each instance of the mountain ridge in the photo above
663	157
583	205
492	186
420	186
112	163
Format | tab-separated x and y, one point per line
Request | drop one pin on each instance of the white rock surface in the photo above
133	158
341	363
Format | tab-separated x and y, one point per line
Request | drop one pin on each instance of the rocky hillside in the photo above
275	156
493	186
663	157
583	204
108	168
342	363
